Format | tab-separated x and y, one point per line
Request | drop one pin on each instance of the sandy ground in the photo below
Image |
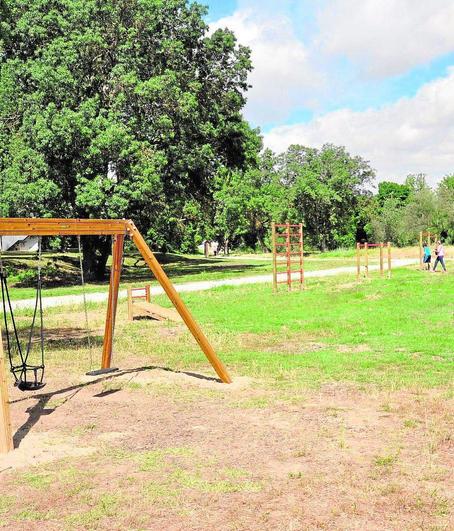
181	451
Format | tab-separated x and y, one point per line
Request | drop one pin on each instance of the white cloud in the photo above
283	77
410	135
387	37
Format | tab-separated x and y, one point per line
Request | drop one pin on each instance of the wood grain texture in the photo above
6	436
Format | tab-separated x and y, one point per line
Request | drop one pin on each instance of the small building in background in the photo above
19	243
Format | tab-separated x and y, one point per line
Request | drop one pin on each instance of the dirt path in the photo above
70	300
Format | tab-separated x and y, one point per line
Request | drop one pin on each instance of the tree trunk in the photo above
96	250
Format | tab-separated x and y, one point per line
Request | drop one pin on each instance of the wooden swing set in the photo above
118	230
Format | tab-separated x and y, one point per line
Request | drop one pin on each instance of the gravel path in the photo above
70	300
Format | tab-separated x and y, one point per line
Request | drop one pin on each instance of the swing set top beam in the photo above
63	227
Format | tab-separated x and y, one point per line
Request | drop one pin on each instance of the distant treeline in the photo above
133	109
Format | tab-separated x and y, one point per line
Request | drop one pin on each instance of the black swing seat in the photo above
34	383
29	386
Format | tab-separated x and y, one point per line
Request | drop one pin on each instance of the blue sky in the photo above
344	71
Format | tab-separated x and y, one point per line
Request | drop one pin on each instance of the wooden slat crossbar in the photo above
118	229
62	227
288	251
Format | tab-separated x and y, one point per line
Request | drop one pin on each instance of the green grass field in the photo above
340	414
393	333
396	332
65	279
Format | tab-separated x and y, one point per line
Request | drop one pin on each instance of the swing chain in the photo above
84	296
20	371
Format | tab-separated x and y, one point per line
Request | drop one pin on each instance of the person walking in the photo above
427	255
440	252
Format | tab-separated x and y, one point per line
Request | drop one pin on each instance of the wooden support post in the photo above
389	259
115	272
130	310
273	240
358	261
288	247
147	293
382	271
173	295
302	280
420	251
366	260
6	436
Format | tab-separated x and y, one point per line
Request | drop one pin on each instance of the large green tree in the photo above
118	108
325	186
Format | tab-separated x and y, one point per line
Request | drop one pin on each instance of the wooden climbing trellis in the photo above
288	252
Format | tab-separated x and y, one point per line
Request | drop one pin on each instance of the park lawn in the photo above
180	268
339	415
393	333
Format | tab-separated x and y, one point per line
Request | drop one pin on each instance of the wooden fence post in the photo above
382	269
289	269
6	436
273	238
366	260
420	249
358	261
302	279
389	259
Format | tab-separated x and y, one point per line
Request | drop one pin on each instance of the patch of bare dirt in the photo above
135	457
39	448
293	345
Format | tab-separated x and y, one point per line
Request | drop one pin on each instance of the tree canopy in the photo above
118	108
132	108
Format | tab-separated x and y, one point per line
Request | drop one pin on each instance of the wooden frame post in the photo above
130	310
273	241
389	259
147	293
173	295
302	279
382	271
115	273
366	259
288	249
358	261
6	436
420	250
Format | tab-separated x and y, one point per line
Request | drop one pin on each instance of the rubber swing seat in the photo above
29	386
